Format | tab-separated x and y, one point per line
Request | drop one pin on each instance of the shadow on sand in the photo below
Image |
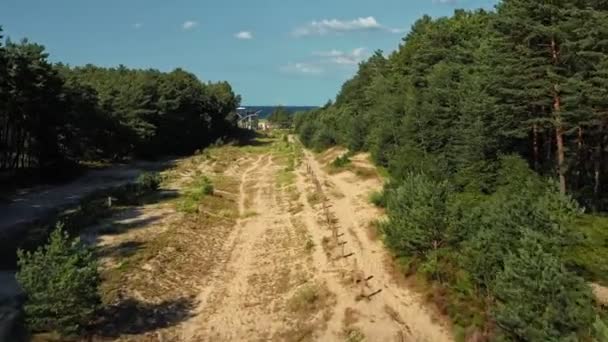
129	317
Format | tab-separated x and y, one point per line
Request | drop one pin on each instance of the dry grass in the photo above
314	198
309	299
186	246
373	230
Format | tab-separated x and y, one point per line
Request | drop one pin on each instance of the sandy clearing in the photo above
396	313
248	300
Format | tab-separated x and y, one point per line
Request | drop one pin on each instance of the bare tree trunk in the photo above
597	171
19	146
580	157
559	129
559	140
535	146
597	168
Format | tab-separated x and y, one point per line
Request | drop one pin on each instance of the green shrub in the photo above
208	188
195	193
538	300
378	198
418	221
341	161
148	181
61	283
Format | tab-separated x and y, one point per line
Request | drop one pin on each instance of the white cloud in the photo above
137	26
302	68
330	53
326	26
444	1
341	57
189	24
327	61
244	35
336	26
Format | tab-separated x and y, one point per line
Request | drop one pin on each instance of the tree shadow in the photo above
134	317
123	250
251	138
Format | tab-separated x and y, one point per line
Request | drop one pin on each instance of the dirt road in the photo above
29	205
297	263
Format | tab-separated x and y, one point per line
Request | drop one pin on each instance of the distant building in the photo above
248	119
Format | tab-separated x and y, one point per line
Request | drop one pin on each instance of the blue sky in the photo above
290	52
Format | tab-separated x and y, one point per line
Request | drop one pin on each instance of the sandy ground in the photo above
267	262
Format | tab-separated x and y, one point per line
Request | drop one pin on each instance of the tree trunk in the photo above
597	171
580	157
535	146
559	141
559	129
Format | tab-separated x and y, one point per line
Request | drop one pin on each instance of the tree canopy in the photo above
52	114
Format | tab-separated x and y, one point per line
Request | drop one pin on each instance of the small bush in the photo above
61	283
418	217
148	181
208	188
378	199
341	161
310	245
195	193
304	299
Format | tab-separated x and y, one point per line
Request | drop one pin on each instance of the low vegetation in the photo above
60	280
308	299
194	193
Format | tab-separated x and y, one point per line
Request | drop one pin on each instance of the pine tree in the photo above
538	300
61	283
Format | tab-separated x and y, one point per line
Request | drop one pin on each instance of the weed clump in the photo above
195	193
341	161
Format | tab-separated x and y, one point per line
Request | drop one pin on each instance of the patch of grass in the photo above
341	161
589	257
310	245
249	214
285	177
365	172
378	199
314	198
353	334
306	299
340	164
194	194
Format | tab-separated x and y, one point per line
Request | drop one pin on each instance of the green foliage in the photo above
195	193
418	222
538	300
378	198
587	256
61	283
280	117
55	115
341	161
149	181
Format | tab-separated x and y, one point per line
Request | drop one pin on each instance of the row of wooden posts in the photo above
331	223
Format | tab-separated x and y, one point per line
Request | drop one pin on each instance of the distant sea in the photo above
267	110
